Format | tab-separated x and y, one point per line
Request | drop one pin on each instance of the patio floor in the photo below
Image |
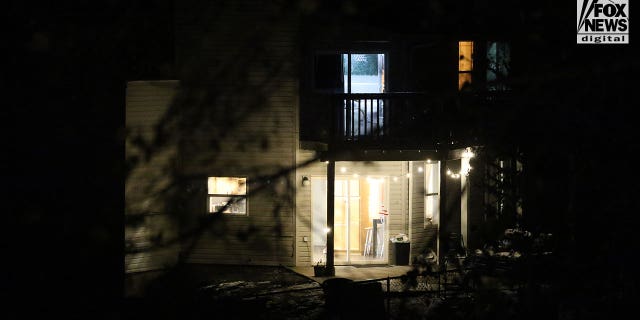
355	273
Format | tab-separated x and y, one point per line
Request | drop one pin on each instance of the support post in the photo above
331	182
443	205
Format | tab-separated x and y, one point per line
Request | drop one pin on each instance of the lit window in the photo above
227	195
498	64
432	193
465	63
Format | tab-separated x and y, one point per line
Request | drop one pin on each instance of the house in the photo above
293	133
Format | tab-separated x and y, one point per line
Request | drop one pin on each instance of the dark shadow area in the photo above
572	122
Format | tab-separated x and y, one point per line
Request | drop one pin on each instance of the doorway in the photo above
360	219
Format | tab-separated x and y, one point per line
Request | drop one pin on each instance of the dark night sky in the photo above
68	65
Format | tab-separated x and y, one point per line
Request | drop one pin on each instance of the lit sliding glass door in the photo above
360	220
347	220
364	73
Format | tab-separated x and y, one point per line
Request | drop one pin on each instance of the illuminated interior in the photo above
360	201
465	63
219	190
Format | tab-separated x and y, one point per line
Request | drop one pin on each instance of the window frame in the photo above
501	67
375	47
468	73
433	170
231	198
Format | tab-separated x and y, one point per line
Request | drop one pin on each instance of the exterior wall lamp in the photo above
306	181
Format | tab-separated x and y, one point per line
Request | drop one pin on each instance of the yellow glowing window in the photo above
227	195
465	63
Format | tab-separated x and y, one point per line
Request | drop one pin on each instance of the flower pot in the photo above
319	271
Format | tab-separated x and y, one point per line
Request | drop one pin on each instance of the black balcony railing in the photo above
404	120
368	119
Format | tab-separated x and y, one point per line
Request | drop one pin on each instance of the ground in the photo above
258	292
198	291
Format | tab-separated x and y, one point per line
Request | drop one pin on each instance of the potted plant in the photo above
320	269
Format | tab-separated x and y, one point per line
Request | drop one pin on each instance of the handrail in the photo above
404	120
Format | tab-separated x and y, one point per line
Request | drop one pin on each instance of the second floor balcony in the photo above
399	120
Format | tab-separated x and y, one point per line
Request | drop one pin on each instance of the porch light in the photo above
305	181
468	153
326	229
428	160
343	169
420	169
395	179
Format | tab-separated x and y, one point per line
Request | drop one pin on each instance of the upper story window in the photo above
349	72
227	195
366	72
497	58
498	65
327	73
362	72
465	64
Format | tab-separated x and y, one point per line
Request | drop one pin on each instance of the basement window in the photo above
227	195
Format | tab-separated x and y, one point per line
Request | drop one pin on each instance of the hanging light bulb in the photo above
468	153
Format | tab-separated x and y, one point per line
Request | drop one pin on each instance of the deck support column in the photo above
331	182
443	205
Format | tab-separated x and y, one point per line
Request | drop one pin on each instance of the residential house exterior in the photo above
294	133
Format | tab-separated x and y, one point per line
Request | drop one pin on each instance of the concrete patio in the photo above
355	273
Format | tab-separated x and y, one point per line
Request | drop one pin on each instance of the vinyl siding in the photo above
422	237
303	206
146	104
239	59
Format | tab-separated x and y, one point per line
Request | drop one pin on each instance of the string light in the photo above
466	168
457	175
468	153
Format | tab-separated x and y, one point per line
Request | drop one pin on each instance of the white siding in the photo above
146	104
240	60
422	237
